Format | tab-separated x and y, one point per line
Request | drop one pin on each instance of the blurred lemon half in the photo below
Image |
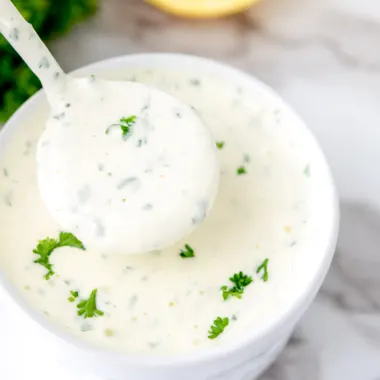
202	8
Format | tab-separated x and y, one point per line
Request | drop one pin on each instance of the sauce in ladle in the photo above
125	167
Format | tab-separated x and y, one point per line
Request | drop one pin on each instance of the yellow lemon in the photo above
202	8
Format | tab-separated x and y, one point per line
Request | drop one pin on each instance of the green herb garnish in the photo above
67	239
241	170
87	308
220	144
218	327
264	267
240	281
74	296
187	252
47	246
125	124
233	292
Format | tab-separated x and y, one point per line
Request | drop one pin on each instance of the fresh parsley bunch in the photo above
50	18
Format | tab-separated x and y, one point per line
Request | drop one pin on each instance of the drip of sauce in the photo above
123	166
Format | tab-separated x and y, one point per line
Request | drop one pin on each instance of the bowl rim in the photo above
201	355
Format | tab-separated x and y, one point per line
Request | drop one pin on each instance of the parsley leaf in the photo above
128	120
220	144
125	123
67	239
218	327
47	246
264	267
187	252
241	170
87	308
74	296
233	292
240	281
44	249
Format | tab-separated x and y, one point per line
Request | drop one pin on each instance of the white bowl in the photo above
244	359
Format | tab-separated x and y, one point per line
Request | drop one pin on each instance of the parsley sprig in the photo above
187	252
125	124
74	296
264	268
233	292
87	308
45	248
219	144
218	327
241	170
240	281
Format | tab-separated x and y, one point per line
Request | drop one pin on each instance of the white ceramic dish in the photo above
242	360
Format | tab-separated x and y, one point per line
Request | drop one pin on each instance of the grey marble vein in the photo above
298	361
249	25
353	282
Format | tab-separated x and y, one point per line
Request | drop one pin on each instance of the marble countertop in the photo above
323	57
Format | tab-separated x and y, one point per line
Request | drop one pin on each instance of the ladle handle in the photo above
32	50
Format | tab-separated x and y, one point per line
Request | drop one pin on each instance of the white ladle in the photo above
125	167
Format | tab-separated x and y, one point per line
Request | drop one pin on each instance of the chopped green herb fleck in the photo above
74	296
233	292
109	333
220	144
218	327
44	249
47	246
187	252
125	123
306	171
14	34
241	281
195	82
87	308
128	120
264	267
241	170
67	239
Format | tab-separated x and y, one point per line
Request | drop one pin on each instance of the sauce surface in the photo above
270	205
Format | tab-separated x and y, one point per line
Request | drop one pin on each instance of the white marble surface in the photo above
323	56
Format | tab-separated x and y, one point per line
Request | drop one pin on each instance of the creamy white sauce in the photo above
160	303
117	159
156	183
